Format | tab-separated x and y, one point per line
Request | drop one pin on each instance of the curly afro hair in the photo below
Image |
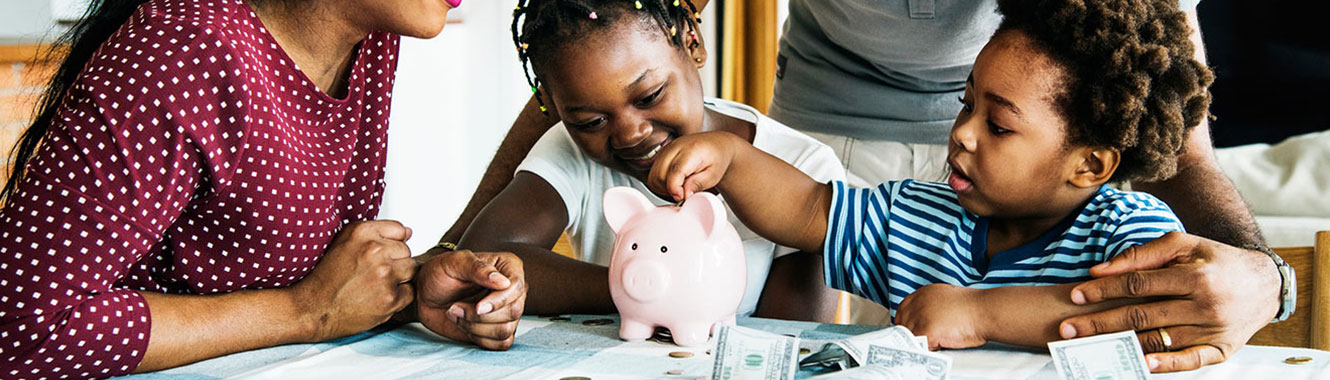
1131	81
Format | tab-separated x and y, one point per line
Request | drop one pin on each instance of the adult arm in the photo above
795	290
359	283
1201	195
1218	296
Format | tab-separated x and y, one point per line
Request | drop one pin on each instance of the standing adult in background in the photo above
202	179
878	81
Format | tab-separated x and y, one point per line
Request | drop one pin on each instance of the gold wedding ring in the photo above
1168	340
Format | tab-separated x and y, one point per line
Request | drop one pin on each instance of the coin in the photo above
1298	360
576	378
681	354
674	372
560	319
597	322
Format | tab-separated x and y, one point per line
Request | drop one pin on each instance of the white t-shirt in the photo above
582	182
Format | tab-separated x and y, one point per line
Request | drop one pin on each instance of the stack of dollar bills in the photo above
891	353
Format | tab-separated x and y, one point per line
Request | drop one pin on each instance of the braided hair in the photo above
1130	78
542	27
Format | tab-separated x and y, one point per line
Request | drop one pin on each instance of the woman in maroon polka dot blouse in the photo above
202	179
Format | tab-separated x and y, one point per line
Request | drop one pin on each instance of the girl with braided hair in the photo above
1066	97
623	77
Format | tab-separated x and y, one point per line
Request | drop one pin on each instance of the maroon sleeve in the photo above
150	124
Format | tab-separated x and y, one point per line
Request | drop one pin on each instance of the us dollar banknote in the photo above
1116	356
895	336
910	363
742	353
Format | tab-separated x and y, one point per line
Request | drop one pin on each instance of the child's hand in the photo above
693	163
949	315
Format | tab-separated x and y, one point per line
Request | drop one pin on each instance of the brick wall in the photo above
22	79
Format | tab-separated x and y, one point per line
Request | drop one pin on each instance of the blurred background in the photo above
457	94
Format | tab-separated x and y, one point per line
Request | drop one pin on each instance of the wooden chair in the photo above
1309	326
563	247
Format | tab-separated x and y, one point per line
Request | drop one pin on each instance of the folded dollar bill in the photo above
1115	356
895	337
910	363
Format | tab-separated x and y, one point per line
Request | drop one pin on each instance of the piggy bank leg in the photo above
689	334
729	321
634	330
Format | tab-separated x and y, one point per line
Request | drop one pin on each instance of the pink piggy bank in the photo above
682	268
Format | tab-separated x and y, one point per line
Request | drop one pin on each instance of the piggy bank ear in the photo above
708	209
623	203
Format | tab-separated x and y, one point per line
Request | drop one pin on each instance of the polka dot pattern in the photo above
191	157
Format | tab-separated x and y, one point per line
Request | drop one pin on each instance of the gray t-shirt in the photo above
880	69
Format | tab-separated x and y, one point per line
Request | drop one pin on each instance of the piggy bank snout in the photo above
645	281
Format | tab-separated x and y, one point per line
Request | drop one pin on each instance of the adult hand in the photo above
475	297
362	279
1209	298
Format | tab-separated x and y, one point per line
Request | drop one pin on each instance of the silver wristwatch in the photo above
1288	284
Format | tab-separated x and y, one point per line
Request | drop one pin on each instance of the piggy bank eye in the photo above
663	249
634	246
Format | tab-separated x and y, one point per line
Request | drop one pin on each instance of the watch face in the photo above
1290	291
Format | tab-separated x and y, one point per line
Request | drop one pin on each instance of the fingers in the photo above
1172	281
467	266
512	298
1185	360
1152	340
1152	255
405	294
403	270
493	344
1139	317
388	229
489	331
678	170
682	169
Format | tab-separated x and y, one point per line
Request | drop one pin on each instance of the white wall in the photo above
455	97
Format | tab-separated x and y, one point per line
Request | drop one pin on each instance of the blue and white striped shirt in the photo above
885	242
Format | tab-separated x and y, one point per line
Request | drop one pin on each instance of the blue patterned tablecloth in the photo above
547	349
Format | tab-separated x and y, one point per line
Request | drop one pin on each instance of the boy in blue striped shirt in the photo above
1065	97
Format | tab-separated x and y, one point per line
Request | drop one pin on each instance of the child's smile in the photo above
643	155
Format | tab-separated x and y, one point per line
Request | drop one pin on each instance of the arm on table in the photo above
771	197
526	219
959	317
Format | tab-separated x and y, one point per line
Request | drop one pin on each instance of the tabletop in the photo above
555	348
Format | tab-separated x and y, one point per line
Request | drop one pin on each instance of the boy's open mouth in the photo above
643	158
958	180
